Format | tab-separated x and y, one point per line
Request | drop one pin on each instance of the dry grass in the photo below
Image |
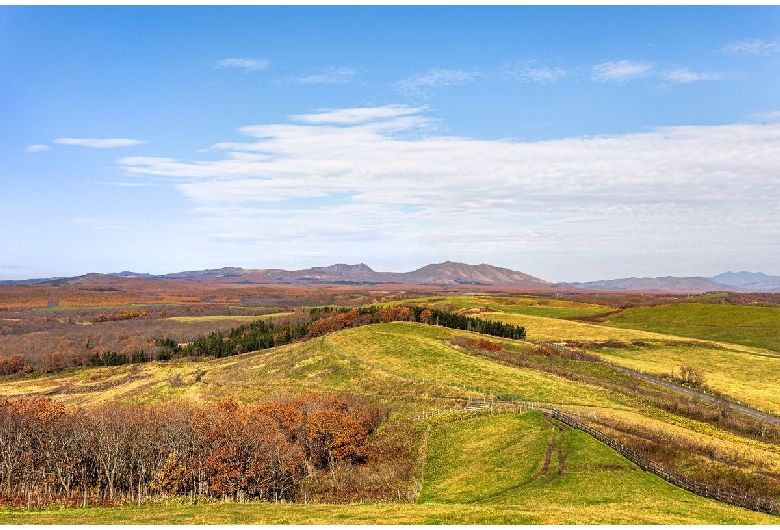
237	318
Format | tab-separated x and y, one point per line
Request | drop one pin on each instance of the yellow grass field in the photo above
238	318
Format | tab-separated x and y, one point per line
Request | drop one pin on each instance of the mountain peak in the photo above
344	267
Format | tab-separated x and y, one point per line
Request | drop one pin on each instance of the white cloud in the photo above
623	70
99	143
753	48
685	75
246	64
529	72
342	179
424	84
332	75
772	116
37	148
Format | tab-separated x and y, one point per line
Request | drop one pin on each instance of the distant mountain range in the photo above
727	281
447	274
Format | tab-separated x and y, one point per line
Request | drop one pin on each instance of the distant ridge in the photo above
692	284
446	274
753	281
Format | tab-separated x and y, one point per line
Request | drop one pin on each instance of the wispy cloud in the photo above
685	75
37	148
772	116
530	72
332	75
753	48
358	115
99	143
623	70
245	63
424	84
702	189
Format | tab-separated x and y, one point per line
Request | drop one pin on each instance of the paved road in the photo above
685	390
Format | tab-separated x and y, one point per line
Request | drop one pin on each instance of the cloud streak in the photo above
753	48
685	75
621	71
436	78
99	143
246	64
332	75
37	148
529	72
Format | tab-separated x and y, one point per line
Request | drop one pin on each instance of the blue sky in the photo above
572	143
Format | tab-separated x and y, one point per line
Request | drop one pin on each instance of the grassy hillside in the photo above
483	471
403	363
752	326
744	372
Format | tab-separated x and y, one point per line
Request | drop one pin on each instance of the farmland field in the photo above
751	326
238	318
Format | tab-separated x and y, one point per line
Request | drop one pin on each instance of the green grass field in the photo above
524	305
500	460
751	326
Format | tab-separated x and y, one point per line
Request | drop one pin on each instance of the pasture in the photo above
758	327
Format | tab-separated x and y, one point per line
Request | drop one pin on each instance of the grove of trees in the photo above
120	453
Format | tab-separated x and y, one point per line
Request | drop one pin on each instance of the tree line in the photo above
263	334
118	453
